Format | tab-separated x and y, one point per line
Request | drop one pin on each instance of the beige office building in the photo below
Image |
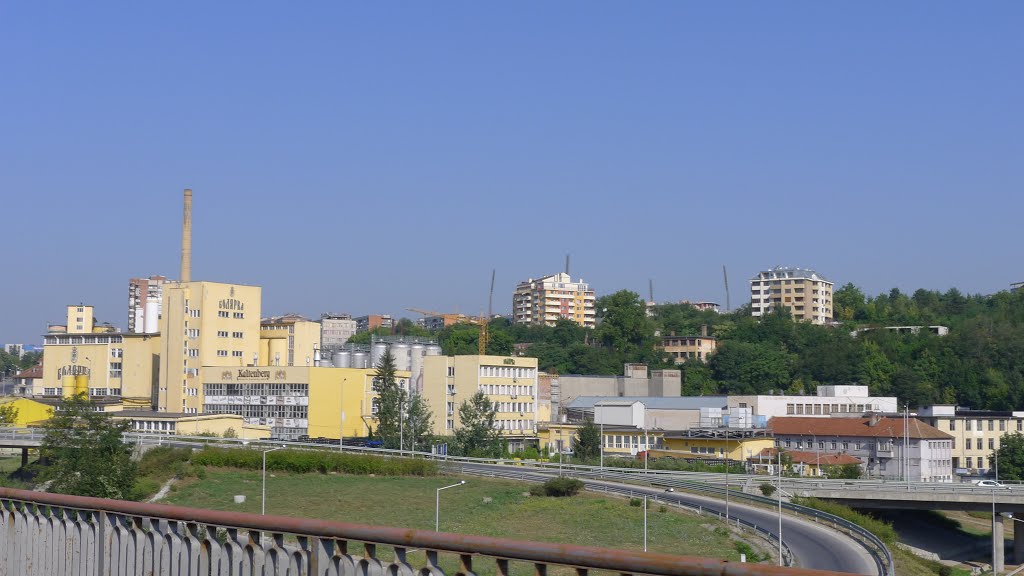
509	382
204	324
545	301
806	294
289	340
976	434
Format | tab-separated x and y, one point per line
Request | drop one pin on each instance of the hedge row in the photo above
883	530
306	461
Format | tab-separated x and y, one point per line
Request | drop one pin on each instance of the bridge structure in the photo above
54	534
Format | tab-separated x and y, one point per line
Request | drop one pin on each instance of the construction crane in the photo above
484	336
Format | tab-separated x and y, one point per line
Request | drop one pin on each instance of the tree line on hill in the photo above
979	364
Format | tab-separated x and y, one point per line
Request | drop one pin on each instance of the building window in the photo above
991	426
968	424
236	353
1002	425
451	371
238	315
236	334
223	314
952	424
967	444
222	353
222	333
991	444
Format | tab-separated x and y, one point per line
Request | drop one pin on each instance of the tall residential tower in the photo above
544	301
807	294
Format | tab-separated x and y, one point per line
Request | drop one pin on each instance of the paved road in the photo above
812	545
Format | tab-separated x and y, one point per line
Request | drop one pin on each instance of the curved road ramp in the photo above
44	534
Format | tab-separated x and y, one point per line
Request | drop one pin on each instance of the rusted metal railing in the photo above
44	534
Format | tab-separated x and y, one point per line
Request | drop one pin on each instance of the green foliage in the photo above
390	401
477	436
562	487
636	502
8	414
882	530
752	555
306	461
230	433
1011	456
85	452
163	461
767	489
844	471
587	445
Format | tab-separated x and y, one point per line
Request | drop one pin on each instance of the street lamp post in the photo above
341	426
263	507
780	506
645	522
437	505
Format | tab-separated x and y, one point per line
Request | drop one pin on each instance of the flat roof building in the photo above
545	301
805	293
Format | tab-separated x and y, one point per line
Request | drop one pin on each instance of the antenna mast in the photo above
725	276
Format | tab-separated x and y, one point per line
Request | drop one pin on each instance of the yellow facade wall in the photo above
733	448
334	391
204	324
80	319
29	411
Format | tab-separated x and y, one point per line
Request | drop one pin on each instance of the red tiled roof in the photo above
33	372
805	457
884	427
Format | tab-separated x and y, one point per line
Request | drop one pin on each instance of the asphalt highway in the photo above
812	545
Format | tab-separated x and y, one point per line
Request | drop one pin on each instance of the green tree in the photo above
418	430
478	436
752	368
8	414
1011	456
390	400
86	453
624	326
843	471
588	441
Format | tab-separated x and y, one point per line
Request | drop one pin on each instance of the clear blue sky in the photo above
365	157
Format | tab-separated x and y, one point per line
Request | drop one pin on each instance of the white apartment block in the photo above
335	330
546	300
145	304
806	294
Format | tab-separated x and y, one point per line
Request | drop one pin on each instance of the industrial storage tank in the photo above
151	322
400	351
342	359
360	360
432	350
377	352
416	359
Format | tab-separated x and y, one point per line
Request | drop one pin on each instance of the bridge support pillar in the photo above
24	457
997	543
1018	543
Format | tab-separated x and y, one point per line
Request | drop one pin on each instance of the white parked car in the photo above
990	484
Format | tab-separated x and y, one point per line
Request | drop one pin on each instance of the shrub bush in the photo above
767	489
538	490
945	570
883	530
559	487
636	502
163	461
306	461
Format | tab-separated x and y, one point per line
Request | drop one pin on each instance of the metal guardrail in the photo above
45	534
683	480
522	474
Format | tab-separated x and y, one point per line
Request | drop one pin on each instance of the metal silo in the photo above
377	352
400	351
342	359
432	350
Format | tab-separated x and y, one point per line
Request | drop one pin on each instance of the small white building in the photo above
620	413
828	401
